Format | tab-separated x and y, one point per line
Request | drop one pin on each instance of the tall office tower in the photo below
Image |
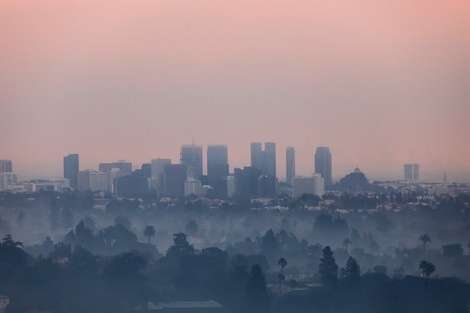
256	151
158	169
6	166
323	164
191	156
269	158
246	181
174	176
290	164
411	172
217	169
265	160
71	168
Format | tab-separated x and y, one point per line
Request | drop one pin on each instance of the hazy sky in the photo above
382	83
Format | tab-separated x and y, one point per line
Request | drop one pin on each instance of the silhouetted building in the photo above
323	164
308	185
290	164
71	168
6	166
356	180
132	185
265	159
174	176
256	151
217	169
267	186
191	156
146	170
246	181
411	172
158	169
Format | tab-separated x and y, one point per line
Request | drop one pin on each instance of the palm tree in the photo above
282	263
424	238
427	267
346	243
149	231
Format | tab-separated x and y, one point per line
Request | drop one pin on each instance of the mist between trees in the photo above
81	252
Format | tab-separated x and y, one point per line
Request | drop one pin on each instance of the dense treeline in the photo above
96	253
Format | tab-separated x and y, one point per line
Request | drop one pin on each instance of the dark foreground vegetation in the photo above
247	257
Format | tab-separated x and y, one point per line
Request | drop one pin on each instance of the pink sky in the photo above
382	83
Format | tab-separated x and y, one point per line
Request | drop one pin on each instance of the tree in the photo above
256	290
328	270
282	263
427	267
346	243
180	247
191	228
352	272
424	238
269	244
149	231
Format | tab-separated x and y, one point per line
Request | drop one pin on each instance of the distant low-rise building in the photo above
7	179
310	185
92	180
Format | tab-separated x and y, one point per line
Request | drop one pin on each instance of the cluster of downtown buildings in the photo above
259	180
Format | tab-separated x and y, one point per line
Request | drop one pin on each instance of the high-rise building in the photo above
158	169
256	151
71	168
265	160
411	172
174	176
6	166
217	169
290	164
191	156
246	181
323	164
92	180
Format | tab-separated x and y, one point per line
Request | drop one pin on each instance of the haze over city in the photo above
382	84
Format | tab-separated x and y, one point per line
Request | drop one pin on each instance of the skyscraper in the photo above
290	164
191	156
158	169
218	169
269	159
265	160
411	172
323	164
6	166
256	150
216	155
71	167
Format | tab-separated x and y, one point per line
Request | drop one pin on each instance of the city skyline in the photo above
381	84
